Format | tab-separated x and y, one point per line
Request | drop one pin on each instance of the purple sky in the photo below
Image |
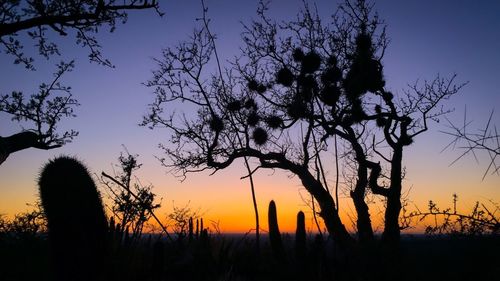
427	38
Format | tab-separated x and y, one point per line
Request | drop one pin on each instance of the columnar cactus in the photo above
274	233
190	229
76	220
201	226
300	237
197	234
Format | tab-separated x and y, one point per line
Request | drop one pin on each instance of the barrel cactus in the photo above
76	219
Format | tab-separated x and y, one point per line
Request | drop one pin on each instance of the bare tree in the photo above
41	20
132	203
296	86
179	220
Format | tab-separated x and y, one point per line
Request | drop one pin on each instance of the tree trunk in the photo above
17	142
391	234
328	212
363	223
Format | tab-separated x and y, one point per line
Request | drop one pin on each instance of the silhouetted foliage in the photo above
41	20
131	211
42	112
82	19
317	82
25	225
482	219
214	256
180	220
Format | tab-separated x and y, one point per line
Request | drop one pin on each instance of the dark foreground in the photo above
235	258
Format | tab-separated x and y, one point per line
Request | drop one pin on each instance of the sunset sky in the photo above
426	38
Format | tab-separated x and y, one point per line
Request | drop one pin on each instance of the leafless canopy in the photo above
39	18
295	86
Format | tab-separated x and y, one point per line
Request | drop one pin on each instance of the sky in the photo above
427	38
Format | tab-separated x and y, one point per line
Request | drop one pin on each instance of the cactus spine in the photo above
76	219
274	233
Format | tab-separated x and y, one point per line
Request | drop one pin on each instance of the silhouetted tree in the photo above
132	203
181	221
41	20
42	111
295	86
83	19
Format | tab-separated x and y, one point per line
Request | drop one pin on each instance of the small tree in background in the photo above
132	203
182	221
295	87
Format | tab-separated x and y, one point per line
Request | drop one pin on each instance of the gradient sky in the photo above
427	38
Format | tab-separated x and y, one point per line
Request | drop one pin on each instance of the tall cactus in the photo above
201	226
300	237
76	219
197	233
274	233
190	229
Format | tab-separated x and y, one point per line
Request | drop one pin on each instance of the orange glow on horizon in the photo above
226	199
